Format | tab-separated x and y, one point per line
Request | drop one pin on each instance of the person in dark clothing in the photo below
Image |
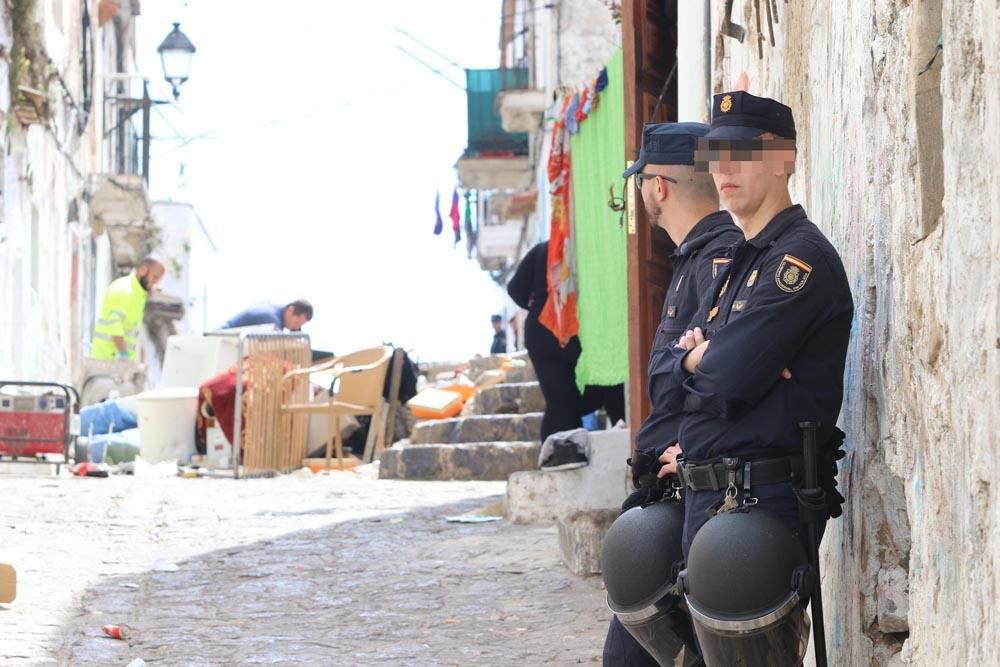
290	316
772	348
554	364
610	397
499	345
685	204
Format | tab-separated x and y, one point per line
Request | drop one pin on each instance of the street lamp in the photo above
175	54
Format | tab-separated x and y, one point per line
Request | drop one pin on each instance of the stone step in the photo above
543	496
581	539
469	461
478	428
521	374
515	398
475	368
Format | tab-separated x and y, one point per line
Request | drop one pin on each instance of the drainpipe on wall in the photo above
693	61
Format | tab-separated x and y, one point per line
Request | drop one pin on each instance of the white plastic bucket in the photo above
166	424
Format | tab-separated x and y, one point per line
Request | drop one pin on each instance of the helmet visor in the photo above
666	634
784	641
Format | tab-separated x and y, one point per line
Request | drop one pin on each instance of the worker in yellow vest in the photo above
118	326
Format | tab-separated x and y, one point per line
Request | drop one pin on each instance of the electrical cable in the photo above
429	48
432	68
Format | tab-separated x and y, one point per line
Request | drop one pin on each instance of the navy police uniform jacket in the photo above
783	302
701	257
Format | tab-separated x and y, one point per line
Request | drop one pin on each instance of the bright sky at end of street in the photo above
318	146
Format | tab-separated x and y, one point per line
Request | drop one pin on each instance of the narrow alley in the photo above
319	570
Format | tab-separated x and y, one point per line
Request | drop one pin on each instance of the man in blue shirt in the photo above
291	316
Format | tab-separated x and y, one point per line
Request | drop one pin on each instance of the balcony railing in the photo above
487	137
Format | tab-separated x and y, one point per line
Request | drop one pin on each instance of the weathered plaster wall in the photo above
913	567
587	38
51	266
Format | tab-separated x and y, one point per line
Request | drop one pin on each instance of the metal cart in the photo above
36	424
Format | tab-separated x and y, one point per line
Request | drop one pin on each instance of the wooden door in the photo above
649	36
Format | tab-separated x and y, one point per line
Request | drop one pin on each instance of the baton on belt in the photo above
815	496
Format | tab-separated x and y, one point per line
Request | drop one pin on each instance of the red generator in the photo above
38	423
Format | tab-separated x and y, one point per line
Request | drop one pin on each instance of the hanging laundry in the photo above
594	96
455	217
559	314
470	240
568	116
583	108
602	80
439	225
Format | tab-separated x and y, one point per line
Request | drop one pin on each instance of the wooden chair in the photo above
360	379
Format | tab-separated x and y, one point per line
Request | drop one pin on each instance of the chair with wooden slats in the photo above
360	378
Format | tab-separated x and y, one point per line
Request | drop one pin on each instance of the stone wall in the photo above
901	173
587	38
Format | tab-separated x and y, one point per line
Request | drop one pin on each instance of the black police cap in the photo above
667	143
740	115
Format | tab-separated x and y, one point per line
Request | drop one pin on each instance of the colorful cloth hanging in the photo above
599	242
456	219
470	238
559	313
439	224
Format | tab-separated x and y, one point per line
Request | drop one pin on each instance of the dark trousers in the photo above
622	650
609	397
555	368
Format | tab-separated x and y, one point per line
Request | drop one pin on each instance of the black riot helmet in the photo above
746	584
639	562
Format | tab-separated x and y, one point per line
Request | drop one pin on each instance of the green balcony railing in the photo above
486	134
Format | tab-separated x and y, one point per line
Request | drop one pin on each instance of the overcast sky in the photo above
322	146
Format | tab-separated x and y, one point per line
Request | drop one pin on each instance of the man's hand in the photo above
691	339
694	342
693	357
669	460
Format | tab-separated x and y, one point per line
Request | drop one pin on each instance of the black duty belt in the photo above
728	471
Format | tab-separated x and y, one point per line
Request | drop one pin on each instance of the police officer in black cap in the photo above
685	204
769	356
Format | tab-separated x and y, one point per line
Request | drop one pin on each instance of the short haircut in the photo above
301	307
703	187
496	318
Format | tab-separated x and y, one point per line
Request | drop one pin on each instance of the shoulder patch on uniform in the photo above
718	263
792	274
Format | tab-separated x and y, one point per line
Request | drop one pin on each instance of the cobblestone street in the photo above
317	570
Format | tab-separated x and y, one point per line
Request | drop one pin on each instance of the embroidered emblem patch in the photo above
671	311
752	279
792	274
726	104
718	263
738	306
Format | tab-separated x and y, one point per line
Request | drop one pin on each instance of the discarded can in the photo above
116	631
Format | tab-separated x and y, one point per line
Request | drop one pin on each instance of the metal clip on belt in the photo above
729	473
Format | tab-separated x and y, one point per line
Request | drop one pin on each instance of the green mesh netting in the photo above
598	154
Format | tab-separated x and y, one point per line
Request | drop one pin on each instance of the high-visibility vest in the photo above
121	315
